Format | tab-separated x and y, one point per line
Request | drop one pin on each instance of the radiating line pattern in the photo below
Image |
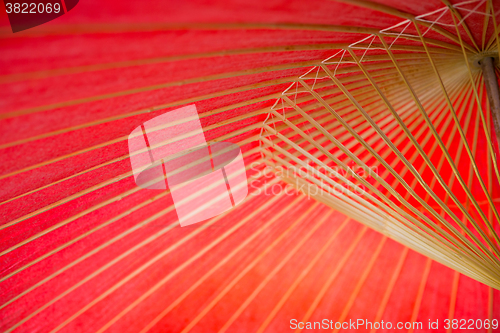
85	250
410	157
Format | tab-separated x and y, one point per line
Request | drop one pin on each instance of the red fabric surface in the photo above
71	92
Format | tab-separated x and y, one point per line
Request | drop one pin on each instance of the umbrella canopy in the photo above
84	248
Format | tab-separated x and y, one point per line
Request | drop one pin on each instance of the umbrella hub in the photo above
476	59
488	61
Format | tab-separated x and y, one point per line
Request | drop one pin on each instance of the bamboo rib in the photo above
343	204
387	129
466	188
415	154
188	262
332	133
333	276
400	140
267	278
495	26
159	107
155	321
474	149
165	26
408	134
434	146
483	251
361	282
156	258
198	283
121	196
450	140
337	104
485	26
390	287
121	176
100	247
457	14
229	121
216	267
382	162
420	294
427	163
98	206
474	165
36	75
481	113
106	183
401	14
176	103
106	223
130	27
206	78
299	137
356	197
489	46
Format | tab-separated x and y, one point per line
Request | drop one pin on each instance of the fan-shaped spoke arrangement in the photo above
396	131
382	115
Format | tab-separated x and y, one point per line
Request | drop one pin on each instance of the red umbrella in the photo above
84	248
